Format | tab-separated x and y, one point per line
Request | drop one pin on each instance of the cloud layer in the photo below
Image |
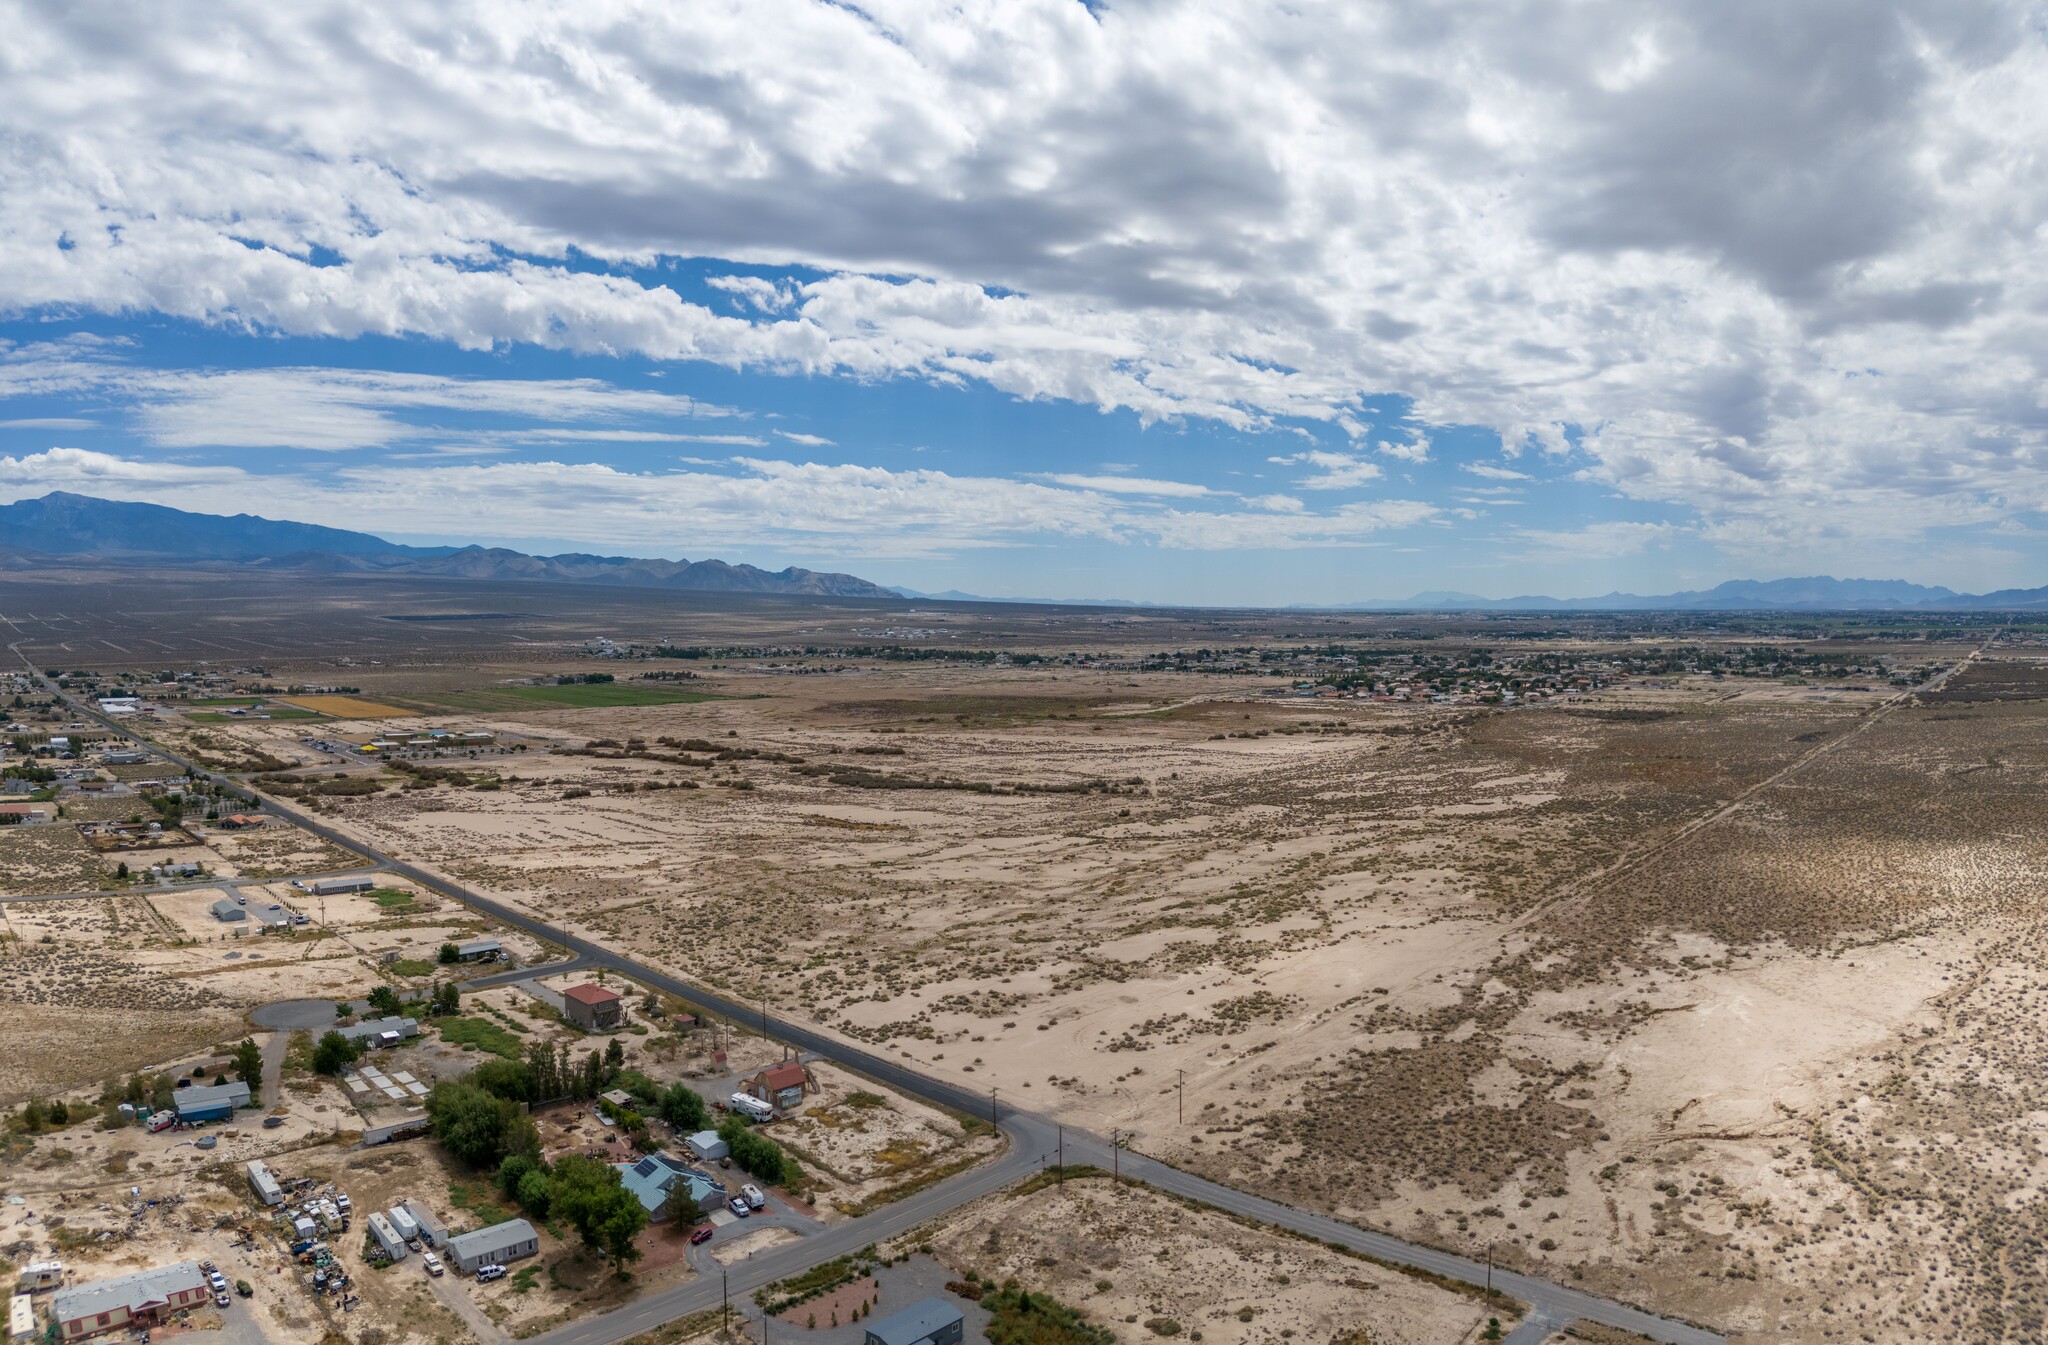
1780	264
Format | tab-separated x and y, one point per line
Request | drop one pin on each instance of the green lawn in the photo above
481	1034
583	696
389	897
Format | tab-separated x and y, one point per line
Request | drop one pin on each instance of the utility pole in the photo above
992	1106
1489	1270
1063	1158
724	1305
1116	1177
1180	1097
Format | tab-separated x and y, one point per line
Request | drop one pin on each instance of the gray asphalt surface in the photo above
1032	1138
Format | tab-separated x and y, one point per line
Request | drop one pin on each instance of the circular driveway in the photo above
287	1014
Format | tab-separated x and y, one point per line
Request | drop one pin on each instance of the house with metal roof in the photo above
933	1321
145	1297
381	1031
479	950
227	910
495	1245
706	1147
654	1177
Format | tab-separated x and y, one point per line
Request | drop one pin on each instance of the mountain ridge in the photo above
67	526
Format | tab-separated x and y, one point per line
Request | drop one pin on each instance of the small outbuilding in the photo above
706	1147
432	1230
495	1245
385	1236
264	1184
933	1321
21	1317
480	950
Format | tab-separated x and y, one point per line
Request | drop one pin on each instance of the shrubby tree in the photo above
333	1053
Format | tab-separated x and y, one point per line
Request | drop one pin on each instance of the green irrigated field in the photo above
580	697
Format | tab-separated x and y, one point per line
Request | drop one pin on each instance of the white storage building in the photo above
263	1184
387	1236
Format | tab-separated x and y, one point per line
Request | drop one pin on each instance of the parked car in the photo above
755	1200
218	1282
489	1271
431	1262
702	1235
221	1300
243	1288
341	1202
738	1205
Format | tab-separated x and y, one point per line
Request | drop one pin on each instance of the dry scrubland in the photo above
1713	996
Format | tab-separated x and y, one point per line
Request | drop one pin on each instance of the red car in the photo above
701	1235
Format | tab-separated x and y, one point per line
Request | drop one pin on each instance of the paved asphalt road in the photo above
1032	1139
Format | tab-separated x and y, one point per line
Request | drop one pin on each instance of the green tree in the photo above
535	1193
121	869
450	954
619	1224
588	1194
507	1079
33	1118
544	1059
470	1123
58	1112
249	1061
384	1000
682	1108
614	1056
756	1153
334	1053
447	998
510	1171
343	1009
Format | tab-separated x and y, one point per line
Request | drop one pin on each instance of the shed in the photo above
386	1236
707	1147
495	1245
932	1321
214	1102
305	1227
592	1007
227	911
402	1221
432	1229
263	1184
480	950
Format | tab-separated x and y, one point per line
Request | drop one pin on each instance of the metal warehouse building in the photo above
494	1245
210	1103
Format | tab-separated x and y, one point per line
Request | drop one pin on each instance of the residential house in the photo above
494	1245
653	1178
381	1031
144	1298
592	1007
210	1102
780	1086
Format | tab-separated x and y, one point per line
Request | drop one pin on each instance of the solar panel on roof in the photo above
645	1167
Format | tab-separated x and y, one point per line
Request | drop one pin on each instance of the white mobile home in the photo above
493	1246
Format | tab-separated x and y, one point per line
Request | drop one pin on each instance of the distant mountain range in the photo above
62	525
65	526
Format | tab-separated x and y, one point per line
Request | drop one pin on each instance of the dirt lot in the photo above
1128	1255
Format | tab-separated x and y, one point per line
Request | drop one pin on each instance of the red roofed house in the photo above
781	1086
592	1007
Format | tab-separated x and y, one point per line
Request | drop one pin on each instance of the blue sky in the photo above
1134	302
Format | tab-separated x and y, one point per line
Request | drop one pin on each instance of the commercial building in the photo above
386	1236
210	1102
340	887
263	1184
144	1298
495	1245
592	1007
933	1321
381	1031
